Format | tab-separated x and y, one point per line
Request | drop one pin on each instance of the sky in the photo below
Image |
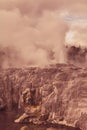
35	32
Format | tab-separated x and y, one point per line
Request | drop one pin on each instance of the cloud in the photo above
77	34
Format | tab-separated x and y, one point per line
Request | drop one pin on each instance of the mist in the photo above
32	33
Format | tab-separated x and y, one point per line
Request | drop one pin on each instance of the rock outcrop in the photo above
55	94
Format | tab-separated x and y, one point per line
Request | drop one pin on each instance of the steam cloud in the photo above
33	32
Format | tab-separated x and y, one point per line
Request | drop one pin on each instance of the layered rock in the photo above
55	94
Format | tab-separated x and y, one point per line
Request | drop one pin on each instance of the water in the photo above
7	123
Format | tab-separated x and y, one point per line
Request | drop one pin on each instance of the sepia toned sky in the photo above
34	32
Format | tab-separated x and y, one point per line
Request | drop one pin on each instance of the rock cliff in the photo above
55	94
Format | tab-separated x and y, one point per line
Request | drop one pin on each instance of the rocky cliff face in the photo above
55	94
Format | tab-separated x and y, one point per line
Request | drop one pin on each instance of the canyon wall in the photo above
61	97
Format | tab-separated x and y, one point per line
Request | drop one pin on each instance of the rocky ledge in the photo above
56	94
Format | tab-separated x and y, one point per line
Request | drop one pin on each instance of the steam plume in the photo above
38	39
33	32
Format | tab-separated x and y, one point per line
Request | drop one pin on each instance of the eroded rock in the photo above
55	94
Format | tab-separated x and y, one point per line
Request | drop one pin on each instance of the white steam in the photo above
38	40
33	32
